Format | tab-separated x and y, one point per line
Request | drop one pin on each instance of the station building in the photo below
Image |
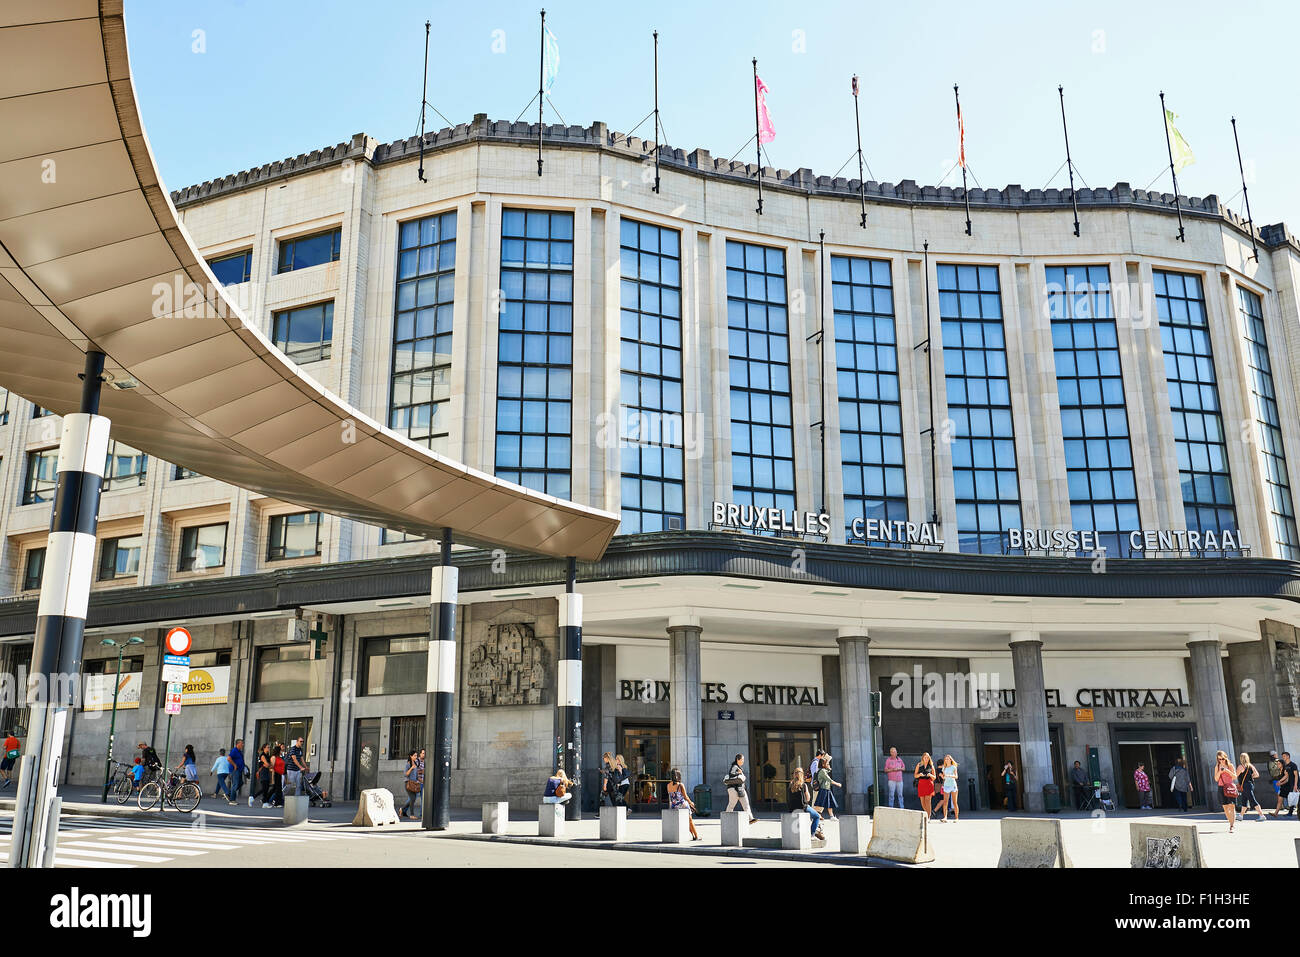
1031	487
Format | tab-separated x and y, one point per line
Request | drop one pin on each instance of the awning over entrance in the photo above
89	240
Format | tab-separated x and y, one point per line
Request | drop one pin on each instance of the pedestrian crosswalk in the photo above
86	841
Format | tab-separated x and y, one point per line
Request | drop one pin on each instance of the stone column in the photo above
1031	704
1210	699
858	765
685	731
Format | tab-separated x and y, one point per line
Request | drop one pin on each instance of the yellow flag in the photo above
1182	153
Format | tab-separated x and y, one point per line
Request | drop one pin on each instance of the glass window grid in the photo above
281	531
303	252
1094	412
534	351
1199	439
42	476
1282	524
305	333
762	427
233	269
420	383
180	473
866	367
209	541
653	480
983	445
33	568
120	557
393	536
125	467
405	734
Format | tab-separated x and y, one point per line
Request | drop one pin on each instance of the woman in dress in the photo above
825	796
1225	776
924	775
678	798
1246	775
948	797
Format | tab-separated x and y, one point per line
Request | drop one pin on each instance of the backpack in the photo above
279	766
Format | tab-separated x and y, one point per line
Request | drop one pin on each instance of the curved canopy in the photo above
87	232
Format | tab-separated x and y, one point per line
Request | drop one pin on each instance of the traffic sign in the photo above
176	668
174	690
177	641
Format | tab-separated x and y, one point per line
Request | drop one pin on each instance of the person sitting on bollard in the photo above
799	800
678	799
558	788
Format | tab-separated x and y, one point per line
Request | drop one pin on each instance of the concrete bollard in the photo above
796	831
496	817
735	828
1032	842
374	808
676	825
898	835
1164	845
613	823
550	820
855	833
295	810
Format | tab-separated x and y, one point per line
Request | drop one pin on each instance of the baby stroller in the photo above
316	796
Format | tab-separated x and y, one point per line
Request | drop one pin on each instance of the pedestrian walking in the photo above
816	764
1180	781
295	763
623	782
735	784
189	764
678	799
923	774
265	771
1275	775
12	750
608	787
1288	792
949	795
413	784
1225	776
277	777
825	796
798	800
222	768
1143	785
894	767
1010	782
1246	775
236	755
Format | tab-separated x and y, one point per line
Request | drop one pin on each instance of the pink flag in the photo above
766	131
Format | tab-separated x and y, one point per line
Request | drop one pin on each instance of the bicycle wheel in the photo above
150	796
122	790
187	796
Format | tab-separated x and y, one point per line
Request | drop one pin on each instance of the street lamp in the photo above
112	726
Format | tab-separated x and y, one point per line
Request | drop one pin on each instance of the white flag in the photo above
550	60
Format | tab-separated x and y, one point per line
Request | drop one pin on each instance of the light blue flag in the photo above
550	60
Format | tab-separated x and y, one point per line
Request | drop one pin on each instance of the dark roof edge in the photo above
669	554
362	147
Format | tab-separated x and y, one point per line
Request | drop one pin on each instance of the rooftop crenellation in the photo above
362	147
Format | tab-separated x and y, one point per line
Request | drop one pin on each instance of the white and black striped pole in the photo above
441	688
61	615
568	696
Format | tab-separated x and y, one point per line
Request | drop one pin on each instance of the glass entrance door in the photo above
1158	754
366	772
1001	746
775	755
283	730
645	748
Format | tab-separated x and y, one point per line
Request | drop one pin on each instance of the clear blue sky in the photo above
279	78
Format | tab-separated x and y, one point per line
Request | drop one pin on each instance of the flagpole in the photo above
962	133
657	136
758	140
1069	164
862	184
541	94
1250	223
424	100
929	377
1164	118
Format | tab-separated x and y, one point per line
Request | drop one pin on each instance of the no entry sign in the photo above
177	641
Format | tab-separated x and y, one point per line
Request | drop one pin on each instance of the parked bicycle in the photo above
122	783
174	790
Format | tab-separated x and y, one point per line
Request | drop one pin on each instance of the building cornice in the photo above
691	553
699	162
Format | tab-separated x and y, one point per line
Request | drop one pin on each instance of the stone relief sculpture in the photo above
507	666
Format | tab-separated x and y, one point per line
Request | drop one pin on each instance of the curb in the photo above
710	850
129	812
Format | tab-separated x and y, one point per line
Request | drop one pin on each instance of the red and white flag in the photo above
766	131
855	85
961	135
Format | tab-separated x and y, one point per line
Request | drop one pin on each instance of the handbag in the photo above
560	790
733	782
1293	798
1231	790
412	787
